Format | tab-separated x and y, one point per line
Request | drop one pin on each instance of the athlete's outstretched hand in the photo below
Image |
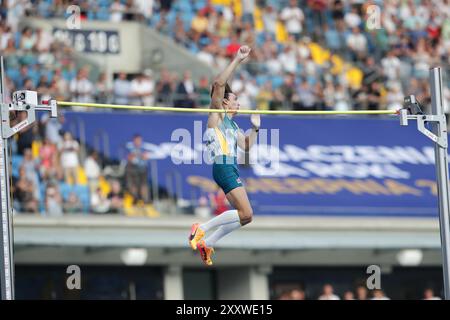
243	53
255	119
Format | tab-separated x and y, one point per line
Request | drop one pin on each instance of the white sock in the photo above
221	232
227	217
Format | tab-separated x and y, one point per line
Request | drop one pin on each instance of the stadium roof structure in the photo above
268	240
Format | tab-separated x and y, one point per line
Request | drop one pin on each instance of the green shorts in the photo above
226	173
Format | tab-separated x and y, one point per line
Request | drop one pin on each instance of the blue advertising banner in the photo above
301	166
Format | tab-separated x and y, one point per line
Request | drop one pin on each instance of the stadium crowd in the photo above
359	293
322	54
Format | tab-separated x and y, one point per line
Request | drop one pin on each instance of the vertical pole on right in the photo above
6	224
437	104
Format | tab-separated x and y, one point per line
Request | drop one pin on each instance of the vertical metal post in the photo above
437	104
6	232
154	177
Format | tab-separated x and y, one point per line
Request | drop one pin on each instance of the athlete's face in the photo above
231	104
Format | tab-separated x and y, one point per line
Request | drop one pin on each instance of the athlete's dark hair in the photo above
226	93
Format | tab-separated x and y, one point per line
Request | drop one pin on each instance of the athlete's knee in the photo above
246	216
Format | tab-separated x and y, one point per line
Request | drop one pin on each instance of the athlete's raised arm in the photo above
218	90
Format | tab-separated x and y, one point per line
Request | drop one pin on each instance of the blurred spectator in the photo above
357	43
203	92
136	170
297	294
202	209
44	40
352	18
394	97
264	97
348	295
378	294
28	39
286	295
144	7
180	35
26	135
318	7
428	294
163	25
73	204
219	202
117	11
372	72
185	92
93	170
6	37
24	193
122	89
99	203
199	25
269	17
233	46
142	90
103	90
49	162
328	294
240	87
81	87
31	167
53	201
165	5
223	26
374	96
115	198
69	158
248	7
165	88
391	66
60	85
329	98
293	18
306	98
342	100
361	293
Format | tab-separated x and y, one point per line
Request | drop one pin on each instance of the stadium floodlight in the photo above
134	256
410	257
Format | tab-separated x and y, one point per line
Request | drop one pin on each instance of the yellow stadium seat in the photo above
128	201
150	211
259	24
281	34
81	176
221	2
354	77
337	65
35	148
104	186
237	8
319	54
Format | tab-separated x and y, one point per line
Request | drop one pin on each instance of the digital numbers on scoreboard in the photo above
90	41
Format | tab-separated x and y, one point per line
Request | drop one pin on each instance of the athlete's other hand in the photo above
243	53
255	119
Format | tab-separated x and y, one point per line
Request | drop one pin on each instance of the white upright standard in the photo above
438	135
22	101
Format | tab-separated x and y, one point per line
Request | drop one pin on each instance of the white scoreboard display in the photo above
89	41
